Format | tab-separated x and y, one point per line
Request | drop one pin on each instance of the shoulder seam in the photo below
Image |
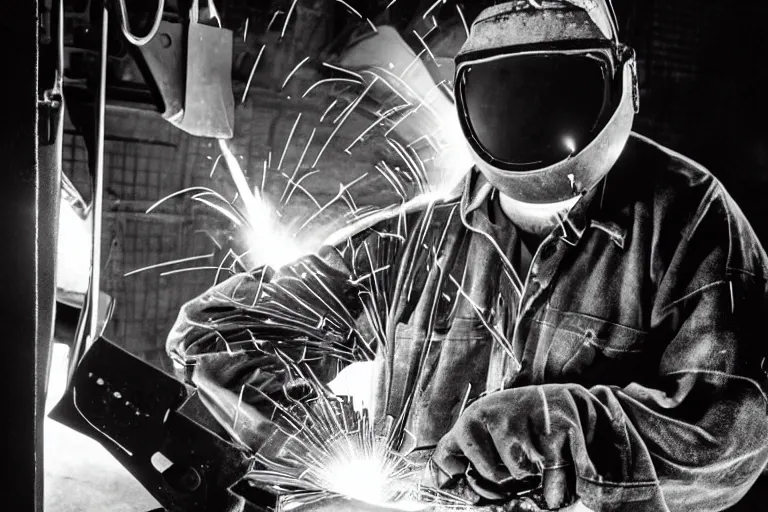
673	153
706	201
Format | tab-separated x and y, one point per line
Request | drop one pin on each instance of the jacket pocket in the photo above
452	347
588	350
444	373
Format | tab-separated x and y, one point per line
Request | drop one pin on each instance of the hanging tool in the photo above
209	105
164	56
192	68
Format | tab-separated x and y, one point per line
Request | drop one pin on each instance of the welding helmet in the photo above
546	96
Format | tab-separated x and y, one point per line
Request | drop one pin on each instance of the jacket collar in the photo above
477	191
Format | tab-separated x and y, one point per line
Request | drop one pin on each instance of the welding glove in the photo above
508	439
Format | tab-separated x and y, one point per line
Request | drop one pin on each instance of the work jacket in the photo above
646	306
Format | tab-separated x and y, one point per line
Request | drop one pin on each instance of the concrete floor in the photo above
80	475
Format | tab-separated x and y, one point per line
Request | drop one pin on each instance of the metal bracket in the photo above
150	423
164	56
49	108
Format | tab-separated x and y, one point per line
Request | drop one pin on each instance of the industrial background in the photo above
702	77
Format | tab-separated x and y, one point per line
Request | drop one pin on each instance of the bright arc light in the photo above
363	479
267	240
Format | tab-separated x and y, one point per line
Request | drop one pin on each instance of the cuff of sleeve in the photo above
620	497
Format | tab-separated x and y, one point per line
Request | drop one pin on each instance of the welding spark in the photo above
432	29
182	270
253	70
463	19
344	112
432	8
392	178
288	18
227	213
338	68
215	165
347	198
288	142
327	80
327	110
182	192
421	180
293	71
345	4
424	44
263	181
210	237
168	263
297	185
298	165
272	21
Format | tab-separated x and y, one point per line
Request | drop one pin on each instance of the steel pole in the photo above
87	331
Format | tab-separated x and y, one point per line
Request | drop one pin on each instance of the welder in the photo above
590	311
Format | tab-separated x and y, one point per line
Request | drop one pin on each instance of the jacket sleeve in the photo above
248	341
694	435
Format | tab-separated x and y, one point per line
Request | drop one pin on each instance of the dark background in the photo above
702	70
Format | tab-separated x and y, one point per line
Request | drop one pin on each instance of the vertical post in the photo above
19	263
98	192
87	329
48	184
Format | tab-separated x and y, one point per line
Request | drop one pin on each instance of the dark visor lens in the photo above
534	109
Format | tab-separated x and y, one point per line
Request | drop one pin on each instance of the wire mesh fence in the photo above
144	162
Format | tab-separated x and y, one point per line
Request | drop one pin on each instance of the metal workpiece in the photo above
152	424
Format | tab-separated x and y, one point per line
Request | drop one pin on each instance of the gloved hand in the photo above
506	439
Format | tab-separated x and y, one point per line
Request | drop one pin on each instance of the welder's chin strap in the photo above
553	184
